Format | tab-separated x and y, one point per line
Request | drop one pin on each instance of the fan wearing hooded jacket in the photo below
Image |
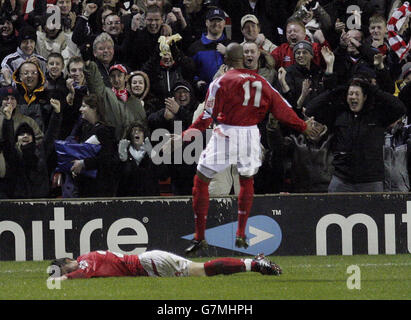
33	99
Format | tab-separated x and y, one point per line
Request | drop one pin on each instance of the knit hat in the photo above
247	18
25	128
27	33
8	91
405	70
303	44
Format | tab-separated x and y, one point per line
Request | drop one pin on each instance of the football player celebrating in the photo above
237	102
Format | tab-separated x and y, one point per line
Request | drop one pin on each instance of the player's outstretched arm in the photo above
314	129
62	278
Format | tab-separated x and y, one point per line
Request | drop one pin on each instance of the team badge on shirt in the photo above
83	265
210	103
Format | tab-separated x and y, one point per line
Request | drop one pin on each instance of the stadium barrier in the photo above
296	224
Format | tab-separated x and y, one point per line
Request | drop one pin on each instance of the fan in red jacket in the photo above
295	31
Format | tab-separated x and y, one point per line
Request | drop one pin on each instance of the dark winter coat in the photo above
345	67
181	174
27	171
358	137
106	162
35	104
138	46
138	180
8	45
295	76
163	78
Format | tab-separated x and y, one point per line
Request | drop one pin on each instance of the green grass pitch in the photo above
382	277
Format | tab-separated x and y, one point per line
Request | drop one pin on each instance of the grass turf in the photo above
383	277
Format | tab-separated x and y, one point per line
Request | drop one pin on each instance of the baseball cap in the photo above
215	14
118	67
182	85
247	18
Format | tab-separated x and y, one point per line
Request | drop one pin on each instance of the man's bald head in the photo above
234	55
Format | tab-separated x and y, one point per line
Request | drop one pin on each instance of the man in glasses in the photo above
33	98
114	27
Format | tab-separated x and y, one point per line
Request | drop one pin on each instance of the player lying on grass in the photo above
154	263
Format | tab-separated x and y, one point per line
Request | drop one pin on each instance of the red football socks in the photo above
224	266
245	202
229	266
200	207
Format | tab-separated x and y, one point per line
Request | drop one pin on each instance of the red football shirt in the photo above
107	264
241	97
284	56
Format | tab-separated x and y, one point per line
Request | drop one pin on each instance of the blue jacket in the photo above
206	57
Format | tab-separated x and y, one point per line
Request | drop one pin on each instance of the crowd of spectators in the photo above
122	75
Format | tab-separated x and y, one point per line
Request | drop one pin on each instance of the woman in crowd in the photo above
139	86
106	161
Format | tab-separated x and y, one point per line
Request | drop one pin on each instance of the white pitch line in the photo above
18	271
388	264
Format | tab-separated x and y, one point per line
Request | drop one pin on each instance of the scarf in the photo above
394	39
137	155
121	94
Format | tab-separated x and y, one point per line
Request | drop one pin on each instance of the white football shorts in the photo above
159	263
232	145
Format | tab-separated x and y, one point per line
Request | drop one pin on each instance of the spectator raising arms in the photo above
121	108
139	176
358	117
26	160
9	96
